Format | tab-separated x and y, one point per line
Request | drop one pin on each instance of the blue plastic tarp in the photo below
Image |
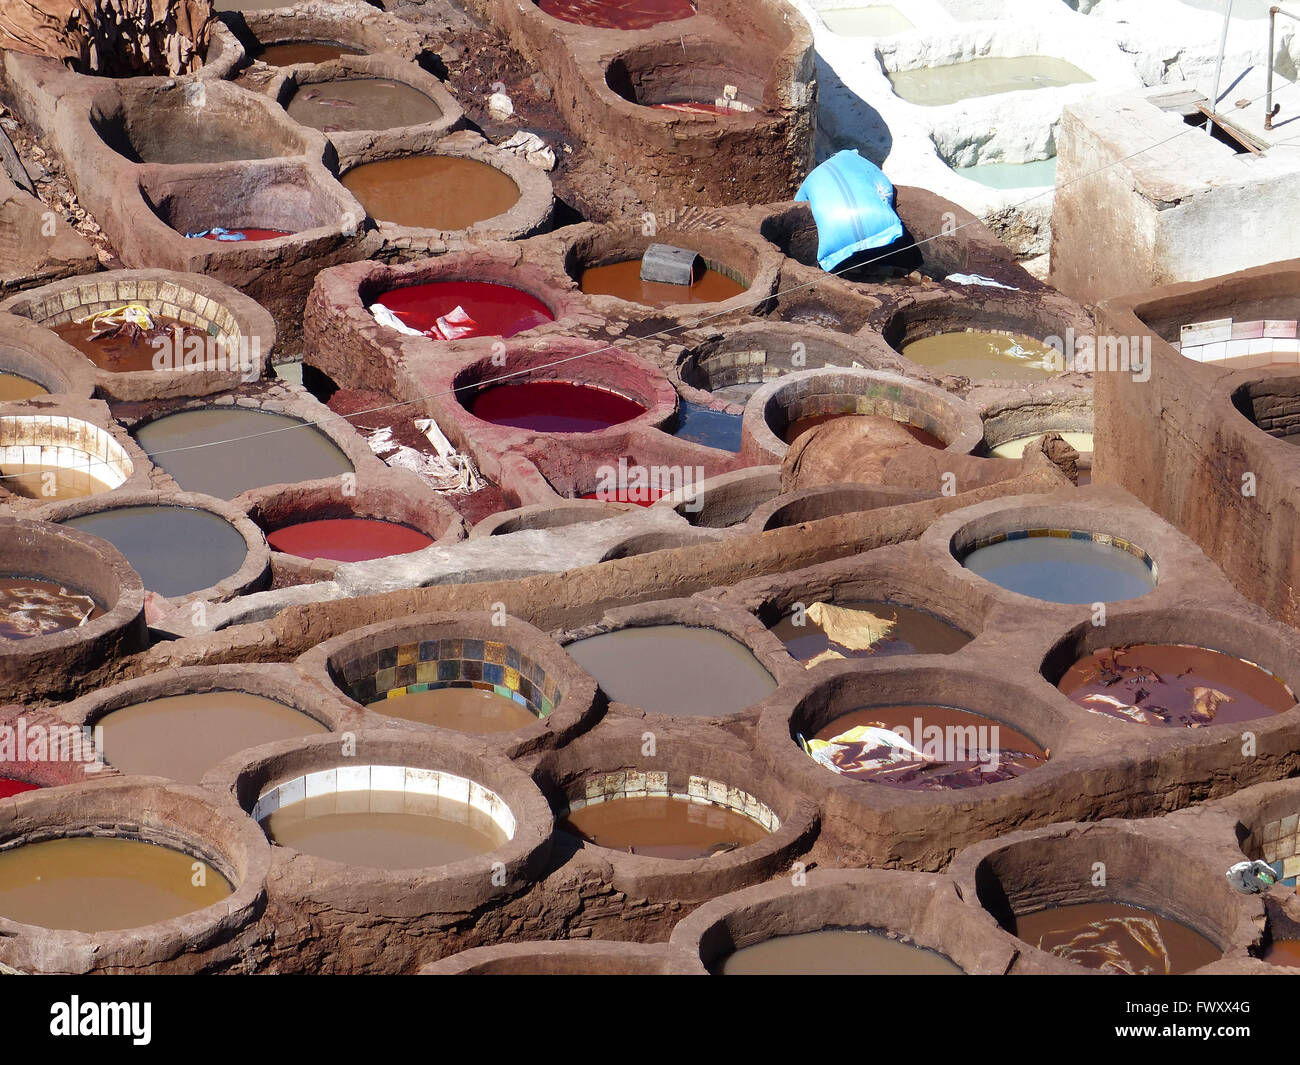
853	205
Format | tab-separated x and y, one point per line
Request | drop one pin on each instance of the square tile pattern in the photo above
1280	846
640	784
369	784
427	665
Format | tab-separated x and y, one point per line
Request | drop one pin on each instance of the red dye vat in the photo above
347	539
498	310
642	497
249	234
618	14
9	787
553	407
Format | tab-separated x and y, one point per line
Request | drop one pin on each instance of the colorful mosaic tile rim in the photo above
639	784
1061	534
387	778
1281	846
161	297
488	665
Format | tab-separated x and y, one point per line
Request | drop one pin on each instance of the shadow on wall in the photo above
869	132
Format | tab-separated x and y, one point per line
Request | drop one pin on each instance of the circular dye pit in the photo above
464	709
553	407
1113	937
924	748
384	829
1015	449
241	236
624	281
938	86
495	310
979	355
799	426
829	631
9	786
347	539
361	104
1069	568
128	348
618	14
15	388
52	483
222	452
674	669
32	607
176	550
1174	685
1283	952
662	826
97	884
838	952
443	192
287	53
181	737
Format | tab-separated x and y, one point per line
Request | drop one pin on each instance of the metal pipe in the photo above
1269	110
1218	69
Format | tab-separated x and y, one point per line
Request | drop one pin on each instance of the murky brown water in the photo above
31	607
624	281
894	630
288	53
384	829
431	191
361	104
183	736
95	884
835	953
15	388
1174	685
129	353
462	709
34	481
674	669
1116	938
663	827
977	355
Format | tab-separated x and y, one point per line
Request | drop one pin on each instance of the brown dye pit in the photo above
1001	356
431	191
1114	937
30	607
1283	952
660	826
361	103
34	481
800	426
15	389
624	281
94	884
291	52
958	749
674	669
865	630
462	709
1174	685
384	829
183	736
131	349
835	953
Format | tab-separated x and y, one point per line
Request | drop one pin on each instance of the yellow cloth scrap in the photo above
855	629
135	313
